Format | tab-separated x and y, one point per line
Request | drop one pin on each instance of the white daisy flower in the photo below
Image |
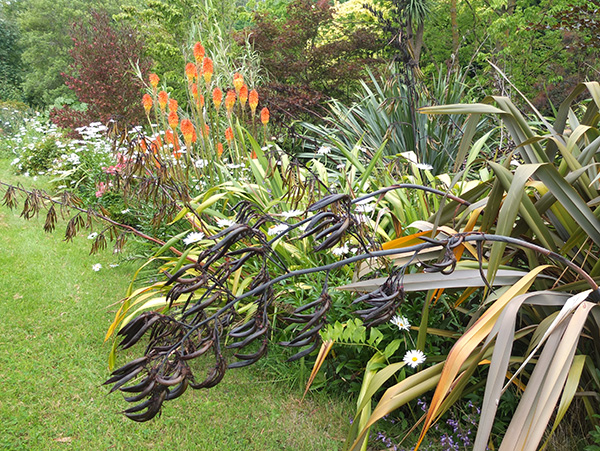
291	214
225	222
414	358
277	229
92	235
340	250
324	150
400	321
193	237
97	267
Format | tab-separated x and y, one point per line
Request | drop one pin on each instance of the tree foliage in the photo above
305	64
45	38
10	60
102	74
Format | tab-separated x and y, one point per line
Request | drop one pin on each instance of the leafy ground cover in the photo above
55	310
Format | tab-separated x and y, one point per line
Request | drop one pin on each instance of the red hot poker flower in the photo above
264	116
154	81
195	91
173	105
173	120
230	101
229	135
238	82
147	102
217	96
253	100
243	95
207	70
187	128
198	52
190	72
163	98
219	149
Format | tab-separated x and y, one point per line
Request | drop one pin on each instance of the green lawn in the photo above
54	312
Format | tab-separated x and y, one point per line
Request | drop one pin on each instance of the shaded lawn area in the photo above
54	312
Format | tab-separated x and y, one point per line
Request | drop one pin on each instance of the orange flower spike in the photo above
238	82
253	100
154	81
156	144
230	101
169	137
206	131
187	128
147	102
190	72
217	96
173	105
229	135
207	70
163	98
219	149
143	145
195	92
264	116
173	120
243	95
198	52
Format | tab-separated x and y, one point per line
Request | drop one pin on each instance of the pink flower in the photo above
101	187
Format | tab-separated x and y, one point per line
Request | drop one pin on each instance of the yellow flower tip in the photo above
264	116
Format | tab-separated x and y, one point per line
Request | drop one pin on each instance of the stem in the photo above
101	217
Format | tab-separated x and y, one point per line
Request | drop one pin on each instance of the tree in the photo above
10	60
308	59
45	40
102	75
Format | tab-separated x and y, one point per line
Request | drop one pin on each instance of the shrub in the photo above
305	65
102	74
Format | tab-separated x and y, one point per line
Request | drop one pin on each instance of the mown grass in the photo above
54	312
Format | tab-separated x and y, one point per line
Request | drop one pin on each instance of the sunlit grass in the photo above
54	312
